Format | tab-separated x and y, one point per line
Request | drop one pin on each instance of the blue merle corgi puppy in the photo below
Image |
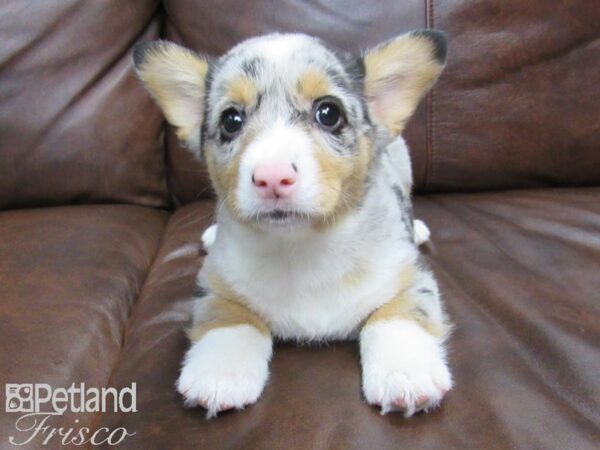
315	238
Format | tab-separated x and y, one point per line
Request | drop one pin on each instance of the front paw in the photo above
226	369
404	367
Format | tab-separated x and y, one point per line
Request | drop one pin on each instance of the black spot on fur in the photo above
336	77
259	99
251	67
140	51
425	291
210	74
406	210
299	116
439	43
200	292
354	67
422	312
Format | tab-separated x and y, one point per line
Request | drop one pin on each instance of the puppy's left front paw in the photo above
404	367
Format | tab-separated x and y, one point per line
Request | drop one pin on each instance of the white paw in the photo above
404	367
209	236
421	232
227	368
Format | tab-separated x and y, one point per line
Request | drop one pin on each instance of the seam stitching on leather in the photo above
430	110
174	201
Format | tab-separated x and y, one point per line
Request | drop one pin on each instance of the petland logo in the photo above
37	403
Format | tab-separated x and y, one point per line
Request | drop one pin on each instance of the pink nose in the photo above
274	180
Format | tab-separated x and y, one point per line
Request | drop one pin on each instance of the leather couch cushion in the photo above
519	273
75	124
68	278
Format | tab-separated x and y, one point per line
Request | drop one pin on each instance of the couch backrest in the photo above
517	106
214	26
519	103
75	124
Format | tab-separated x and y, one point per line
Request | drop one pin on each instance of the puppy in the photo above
315	238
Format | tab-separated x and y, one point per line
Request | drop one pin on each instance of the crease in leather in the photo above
566	238
483	235
554	390
97	419
517	69
527	355
157	260
39	37
483	232
93	83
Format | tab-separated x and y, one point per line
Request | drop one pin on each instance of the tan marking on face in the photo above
250	132
397	76
225	177
342	179
403	306
226	309
313	84
242	90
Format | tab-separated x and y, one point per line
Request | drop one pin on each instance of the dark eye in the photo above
232	122
329	116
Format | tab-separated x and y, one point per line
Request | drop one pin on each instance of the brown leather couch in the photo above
102	213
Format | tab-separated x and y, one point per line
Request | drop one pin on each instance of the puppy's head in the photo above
288	126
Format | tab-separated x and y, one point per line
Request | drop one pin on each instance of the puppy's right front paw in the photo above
226	369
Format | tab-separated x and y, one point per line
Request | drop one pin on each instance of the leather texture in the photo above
75	124
68	279
517	106
519	274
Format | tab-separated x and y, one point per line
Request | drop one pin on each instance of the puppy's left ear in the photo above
176	79
399	72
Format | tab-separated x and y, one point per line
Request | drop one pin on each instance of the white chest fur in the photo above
318	284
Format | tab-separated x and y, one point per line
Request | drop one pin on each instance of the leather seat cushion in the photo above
68	279
519	274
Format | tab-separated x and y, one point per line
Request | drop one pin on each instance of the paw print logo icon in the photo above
19	398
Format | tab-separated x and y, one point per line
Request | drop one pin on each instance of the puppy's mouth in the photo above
282	218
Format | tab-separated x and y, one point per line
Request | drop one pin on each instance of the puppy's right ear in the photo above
176	78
